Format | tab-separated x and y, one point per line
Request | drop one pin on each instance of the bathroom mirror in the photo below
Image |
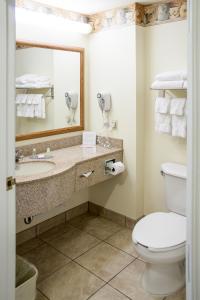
49	90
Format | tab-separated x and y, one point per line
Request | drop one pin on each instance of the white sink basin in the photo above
33	167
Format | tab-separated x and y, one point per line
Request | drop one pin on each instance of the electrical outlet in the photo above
113	124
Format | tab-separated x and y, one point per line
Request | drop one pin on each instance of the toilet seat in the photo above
161	231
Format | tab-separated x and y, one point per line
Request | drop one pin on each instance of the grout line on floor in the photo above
96	217
53	273
120	249
121	270
31	249
43	294
72	259
90	271
97	291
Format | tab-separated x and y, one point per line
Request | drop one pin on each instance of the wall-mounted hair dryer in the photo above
104	101
72	104
105	104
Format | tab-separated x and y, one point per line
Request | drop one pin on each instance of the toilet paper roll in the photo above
117	168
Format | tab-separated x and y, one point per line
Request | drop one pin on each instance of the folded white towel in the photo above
32	85
162	105
31	78
163	123
179	126
172	76
185	84
167	84
177	106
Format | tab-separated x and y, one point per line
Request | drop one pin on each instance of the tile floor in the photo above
87	258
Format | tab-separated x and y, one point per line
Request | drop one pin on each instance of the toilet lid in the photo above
160	230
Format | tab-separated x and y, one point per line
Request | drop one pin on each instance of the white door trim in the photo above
193	238
7	146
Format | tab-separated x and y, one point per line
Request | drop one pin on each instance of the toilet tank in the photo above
175	187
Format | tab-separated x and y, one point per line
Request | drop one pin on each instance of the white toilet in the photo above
160	237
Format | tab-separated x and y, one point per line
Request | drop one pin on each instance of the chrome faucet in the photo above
18	155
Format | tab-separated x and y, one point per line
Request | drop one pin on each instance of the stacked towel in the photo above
167	85
30	106
172	76
170	116
170	80
32	81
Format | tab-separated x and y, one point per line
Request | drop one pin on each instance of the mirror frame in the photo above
80	127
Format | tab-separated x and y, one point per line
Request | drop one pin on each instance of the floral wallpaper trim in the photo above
144	15
50	10
163	12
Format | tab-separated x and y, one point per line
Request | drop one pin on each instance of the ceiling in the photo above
90	6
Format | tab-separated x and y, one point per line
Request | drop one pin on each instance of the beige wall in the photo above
124	63
112	69
166	49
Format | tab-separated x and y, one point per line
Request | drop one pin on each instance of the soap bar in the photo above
89	138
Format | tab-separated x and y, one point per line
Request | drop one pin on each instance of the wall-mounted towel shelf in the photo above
49	94
180	89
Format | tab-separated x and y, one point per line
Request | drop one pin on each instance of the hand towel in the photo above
172	76
167	84
179	126
39	106
163	123
19	98
177	106
162	105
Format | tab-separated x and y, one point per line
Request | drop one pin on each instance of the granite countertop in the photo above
65	159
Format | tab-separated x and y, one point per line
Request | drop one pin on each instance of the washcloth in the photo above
177	106
162	105
163	123
167	84
172	76
179	126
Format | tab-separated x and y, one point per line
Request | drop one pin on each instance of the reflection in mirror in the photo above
49	90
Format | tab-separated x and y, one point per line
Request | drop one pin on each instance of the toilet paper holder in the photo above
109	165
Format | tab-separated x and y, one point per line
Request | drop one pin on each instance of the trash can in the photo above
26	277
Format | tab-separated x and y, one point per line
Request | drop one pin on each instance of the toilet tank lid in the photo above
174	169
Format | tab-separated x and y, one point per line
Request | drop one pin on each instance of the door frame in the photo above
193	188
7	150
